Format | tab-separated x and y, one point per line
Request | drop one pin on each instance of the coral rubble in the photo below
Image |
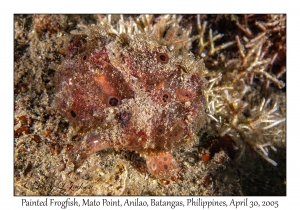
171	103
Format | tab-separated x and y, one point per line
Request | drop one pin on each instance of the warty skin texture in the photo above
130	93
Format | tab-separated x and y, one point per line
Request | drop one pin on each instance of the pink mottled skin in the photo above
130	96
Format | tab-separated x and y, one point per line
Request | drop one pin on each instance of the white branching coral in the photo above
234	104
231	114
165	29
207	48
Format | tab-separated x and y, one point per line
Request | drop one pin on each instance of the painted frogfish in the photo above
129	91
